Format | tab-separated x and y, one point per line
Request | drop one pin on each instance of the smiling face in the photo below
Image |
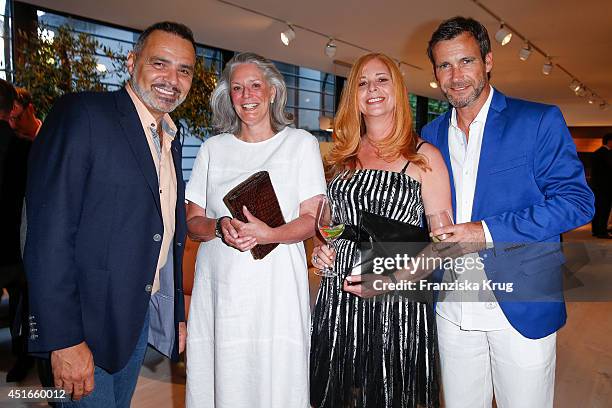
251	95
161	73
376	93
460	70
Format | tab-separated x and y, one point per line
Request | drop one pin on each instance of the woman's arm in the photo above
297	230
202	228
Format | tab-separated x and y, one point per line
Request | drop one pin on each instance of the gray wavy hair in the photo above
225	119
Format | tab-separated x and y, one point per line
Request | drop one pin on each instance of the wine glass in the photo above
438	220
330	231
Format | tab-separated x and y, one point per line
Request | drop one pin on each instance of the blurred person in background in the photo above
601	183
23	118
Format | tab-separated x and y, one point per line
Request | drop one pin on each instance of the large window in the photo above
5	39
311	93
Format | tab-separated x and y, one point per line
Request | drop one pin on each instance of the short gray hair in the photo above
225	119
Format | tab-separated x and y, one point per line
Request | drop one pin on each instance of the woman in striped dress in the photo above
383	353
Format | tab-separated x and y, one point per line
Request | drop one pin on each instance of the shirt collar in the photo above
147	119
482	114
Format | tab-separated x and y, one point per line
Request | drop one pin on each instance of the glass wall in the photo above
311	93
5	39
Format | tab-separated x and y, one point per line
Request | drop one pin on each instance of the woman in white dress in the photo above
249	321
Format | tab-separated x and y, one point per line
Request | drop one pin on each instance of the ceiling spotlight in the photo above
582	91
433	84
330	48
401	68
547	67
592	99
603	105
503	35
288	35
575	85
525	52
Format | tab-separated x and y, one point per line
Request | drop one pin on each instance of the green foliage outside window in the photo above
53	63
436	108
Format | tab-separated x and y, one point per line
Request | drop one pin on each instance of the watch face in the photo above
218	232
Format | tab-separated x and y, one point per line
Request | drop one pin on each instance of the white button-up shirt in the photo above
465	156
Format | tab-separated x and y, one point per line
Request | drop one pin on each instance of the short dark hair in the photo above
178	29
454	27
607	137
23	97
7	96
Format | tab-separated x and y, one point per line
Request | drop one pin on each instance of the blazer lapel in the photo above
176	155
489	151
443	146
134	133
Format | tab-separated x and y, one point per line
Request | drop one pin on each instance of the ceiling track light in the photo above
547	67
525	52
330	48
288	35
591	99
401	68
575	85
503	35
433	84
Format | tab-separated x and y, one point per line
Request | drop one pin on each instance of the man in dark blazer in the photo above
515	179
601	182
106	225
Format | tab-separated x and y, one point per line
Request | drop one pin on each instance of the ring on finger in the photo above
315	259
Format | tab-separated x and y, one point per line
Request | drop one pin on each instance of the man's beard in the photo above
467	100
149	98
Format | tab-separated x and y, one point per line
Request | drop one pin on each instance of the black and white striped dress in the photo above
372	353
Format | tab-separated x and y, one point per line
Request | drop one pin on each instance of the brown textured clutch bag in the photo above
257	194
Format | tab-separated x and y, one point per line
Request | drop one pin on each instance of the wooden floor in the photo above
583	376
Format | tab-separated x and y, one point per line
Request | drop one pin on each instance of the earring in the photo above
271	101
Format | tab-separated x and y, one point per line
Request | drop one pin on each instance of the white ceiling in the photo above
577	34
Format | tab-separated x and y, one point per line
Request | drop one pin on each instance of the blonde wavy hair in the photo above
349	126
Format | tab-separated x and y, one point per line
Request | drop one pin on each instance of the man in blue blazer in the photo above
106	225
515	178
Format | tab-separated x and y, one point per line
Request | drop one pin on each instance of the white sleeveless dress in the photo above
249	321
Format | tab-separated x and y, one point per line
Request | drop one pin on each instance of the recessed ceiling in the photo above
577	34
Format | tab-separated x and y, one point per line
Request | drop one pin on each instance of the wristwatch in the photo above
218	232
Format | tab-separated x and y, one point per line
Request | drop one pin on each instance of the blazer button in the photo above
156	237
148	288
179	244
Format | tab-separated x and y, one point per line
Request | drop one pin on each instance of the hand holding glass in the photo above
330	231
438	220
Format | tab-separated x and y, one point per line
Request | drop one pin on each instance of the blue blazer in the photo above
530	188
95	227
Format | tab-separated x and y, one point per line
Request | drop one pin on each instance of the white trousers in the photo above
475	364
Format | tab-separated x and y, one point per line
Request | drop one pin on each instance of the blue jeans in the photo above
115	390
